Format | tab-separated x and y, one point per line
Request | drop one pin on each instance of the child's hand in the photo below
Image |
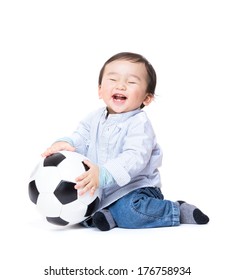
88	181
58	146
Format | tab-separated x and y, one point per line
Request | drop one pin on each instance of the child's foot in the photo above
190	214
103	220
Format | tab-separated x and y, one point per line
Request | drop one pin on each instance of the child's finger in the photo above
92	191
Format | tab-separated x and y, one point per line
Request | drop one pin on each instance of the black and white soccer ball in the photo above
51	188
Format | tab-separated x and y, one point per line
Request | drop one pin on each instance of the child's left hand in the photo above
88	181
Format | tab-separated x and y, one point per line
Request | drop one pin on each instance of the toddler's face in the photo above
123	86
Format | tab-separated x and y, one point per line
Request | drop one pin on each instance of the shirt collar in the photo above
120	116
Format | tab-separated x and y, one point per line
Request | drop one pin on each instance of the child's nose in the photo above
121	85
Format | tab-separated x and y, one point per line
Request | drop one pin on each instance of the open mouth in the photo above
119	97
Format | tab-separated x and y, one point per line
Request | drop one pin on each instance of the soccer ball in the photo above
51	188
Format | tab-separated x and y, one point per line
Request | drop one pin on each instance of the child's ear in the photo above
148	99
99	92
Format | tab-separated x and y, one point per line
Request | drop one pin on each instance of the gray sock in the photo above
103	220
190	214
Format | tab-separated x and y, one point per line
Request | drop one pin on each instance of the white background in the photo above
50	56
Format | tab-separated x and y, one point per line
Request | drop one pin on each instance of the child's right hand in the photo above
56	147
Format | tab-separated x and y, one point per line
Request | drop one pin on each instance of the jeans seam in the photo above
141	213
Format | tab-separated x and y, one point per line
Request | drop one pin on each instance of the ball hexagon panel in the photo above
47	179
73	212
49	205
72	167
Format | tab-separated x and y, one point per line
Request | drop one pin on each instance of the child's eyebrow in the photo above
131	75
112	73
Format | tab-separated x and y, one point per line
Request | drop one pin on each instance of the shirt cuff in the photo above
105	178
118	172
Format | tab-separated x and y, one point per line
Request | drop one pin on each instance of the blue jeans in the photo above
145	208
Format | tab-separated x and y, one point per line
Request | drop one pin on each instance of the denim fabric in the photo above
145	208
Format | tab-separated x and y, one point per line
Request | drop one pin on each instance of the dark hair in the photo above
136	58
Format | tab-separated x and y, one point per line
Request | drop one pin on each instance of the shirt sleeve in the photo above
80	138
139	150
